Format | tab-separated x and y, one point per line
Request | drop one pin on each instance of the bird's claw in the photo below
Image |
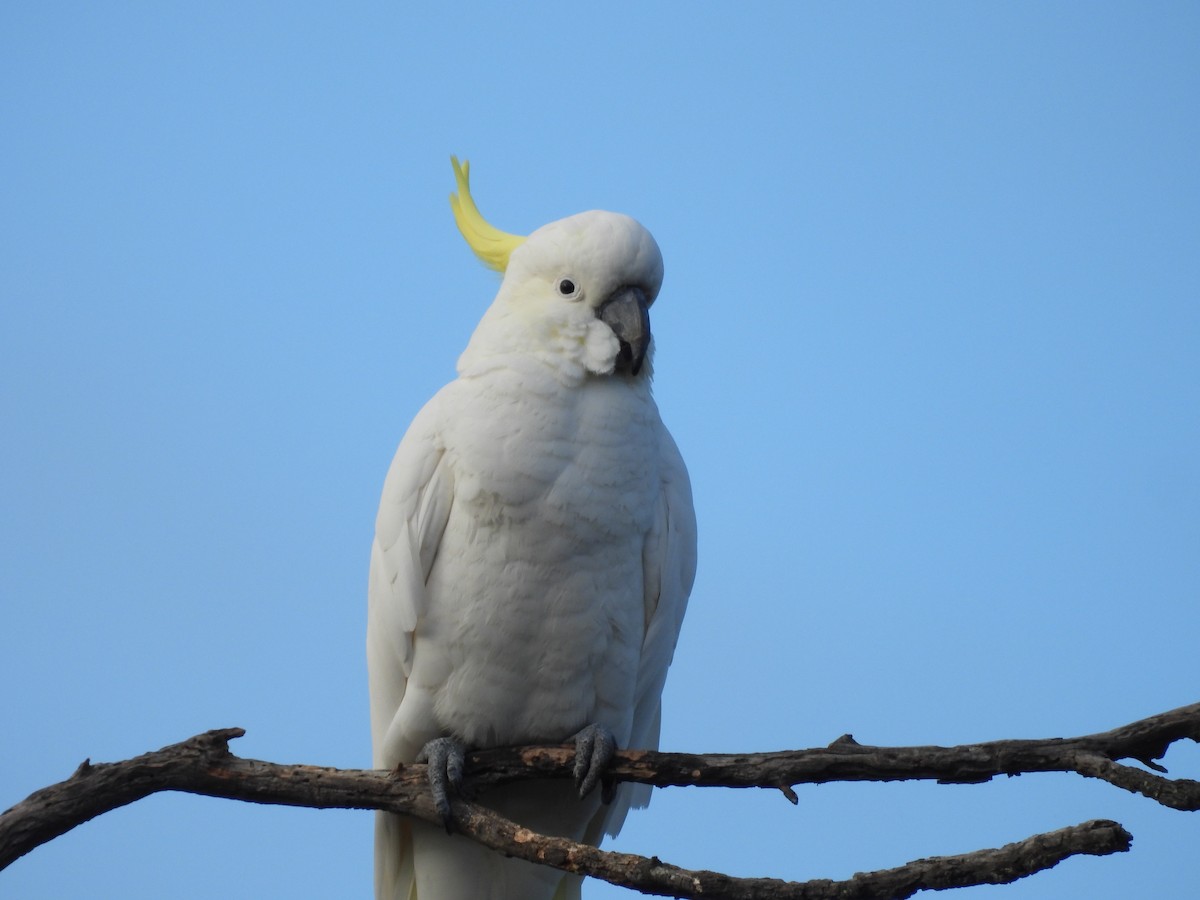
447	759
594	750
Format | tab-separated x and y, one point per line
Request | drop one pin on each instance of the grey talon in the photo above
595	747
447	761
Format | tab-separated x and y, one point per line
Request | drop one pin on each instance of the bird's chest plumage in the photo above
537	596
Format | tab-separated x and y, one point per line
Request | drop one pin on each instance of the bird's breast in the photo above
537	593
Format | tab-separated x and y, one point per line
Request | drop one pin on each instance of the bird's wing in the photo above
412	516
413	511
669	564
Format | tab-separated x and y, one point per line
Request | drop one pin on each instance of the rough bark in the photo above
204	765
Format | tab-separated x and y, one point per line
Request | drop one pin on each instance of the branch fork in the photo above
204	765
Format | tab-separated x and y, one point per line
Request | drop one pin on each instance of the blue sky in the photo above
928	341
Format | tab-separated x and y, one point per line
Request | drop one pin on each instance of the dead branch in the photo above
204	765
653	876
1093	755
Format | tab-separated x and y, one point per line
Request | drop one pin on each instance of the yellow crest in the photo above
491	245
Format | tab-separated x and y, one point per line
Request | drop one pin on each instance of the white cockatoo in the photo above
533	555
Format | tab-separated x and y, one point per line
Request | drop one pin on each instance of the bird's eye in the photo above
567	287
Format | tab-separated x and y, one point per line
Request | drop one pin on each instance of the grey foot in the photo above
594	749
447	759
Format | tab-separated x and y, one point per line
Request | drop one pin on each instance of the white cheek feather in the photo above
574	343
600	348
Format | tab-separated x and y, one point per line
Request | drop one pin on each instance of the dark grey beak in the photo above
627	313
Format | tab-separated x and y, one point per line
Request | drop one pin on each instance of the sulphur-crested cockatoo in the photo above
533	554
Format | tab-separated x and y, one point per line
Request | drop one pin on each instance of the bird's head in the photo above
576	292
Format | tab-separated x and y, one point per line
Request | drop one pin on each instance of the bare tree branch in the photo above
653	876
204	765
1092	755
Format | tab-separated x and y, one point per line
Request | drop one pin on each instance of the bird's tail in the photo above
418	861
